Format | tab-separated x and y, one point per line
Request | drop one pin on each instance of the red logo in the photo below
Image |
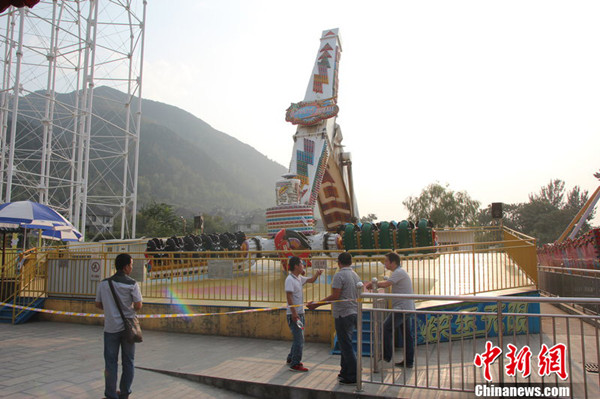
550	360
553	361
520	361
484	360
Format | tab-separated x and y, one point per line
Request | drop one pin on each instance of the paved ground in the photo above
60	360
63	360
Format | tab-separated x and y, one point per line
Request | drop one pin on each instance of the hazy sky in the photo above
495	98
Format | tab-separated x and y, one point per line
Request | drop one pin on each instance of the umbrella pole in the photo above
3	250
3	253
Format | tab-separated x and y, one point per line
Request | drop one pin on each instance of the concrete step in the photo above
263	390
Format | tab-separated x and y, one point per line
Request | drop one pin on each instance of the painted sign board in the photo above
220	269
319	264
469	323
95	268
312	112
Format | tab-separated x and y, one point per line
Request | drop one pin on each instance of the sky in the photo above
495	98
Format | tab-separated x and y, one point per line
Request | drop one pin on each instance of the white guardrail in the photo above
484	345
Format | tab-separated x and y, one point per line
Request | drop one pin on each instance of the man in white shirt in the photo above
295	312
401	284
128	292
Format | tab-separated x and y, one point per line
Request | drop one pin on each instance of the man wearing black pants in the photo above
128	292
401	283
343	287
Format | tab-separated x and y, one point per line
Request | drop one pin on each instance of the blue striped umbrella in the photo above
32	215
63	234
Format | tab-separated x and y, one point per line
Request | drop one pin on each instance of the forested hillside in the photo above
190	160
183	161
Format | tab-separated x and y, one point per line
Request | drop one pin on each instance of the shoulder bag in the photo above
133	331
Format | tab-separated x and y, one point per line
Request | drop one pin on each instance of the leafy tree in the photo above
509	219
548	213
216	224
444	207
158	220
552	194
370	218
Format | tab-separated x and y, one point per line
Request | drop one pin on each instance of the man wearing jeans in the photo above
344	291
128	291
401	284
295	311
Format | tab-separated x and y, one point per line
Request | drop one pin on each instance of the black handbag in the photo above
133	331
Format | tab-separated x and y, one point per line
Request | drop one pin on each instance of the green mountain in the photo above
201	165
183	161
194	167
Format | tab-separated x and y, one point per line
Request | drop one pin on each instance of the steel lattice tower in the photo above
60	58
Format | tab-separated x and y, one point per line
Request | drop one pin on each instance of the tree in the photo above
509	218
158	220
548	213
444	207
370	218
215	224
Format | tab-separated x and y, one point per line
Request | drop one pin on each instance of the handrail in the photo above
577	379
25	277
518	234
570	270
471	298
186	273
358	252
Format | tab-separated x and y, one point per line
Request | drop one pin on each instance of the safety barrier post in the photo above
377	329
249	280
474	269
17	288
171	258
500	342
45	271
359	331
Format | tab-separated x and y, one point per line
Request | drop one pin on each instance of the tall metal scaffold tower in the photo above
70	108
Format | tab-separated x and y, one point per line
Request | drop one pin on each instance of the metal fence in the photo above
23	280
10	260
252	277
524	340
571	282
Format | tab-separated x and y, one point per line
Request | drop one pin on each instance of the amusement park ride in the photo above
571	251
320	174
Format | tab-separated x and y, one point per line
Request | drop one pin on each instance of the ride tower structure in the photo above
70	109
320	170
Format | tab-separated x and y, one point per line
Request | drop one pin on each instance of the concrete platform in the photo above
64	360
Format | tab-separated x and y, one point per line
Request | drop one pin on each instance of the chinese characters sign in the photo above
442	327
